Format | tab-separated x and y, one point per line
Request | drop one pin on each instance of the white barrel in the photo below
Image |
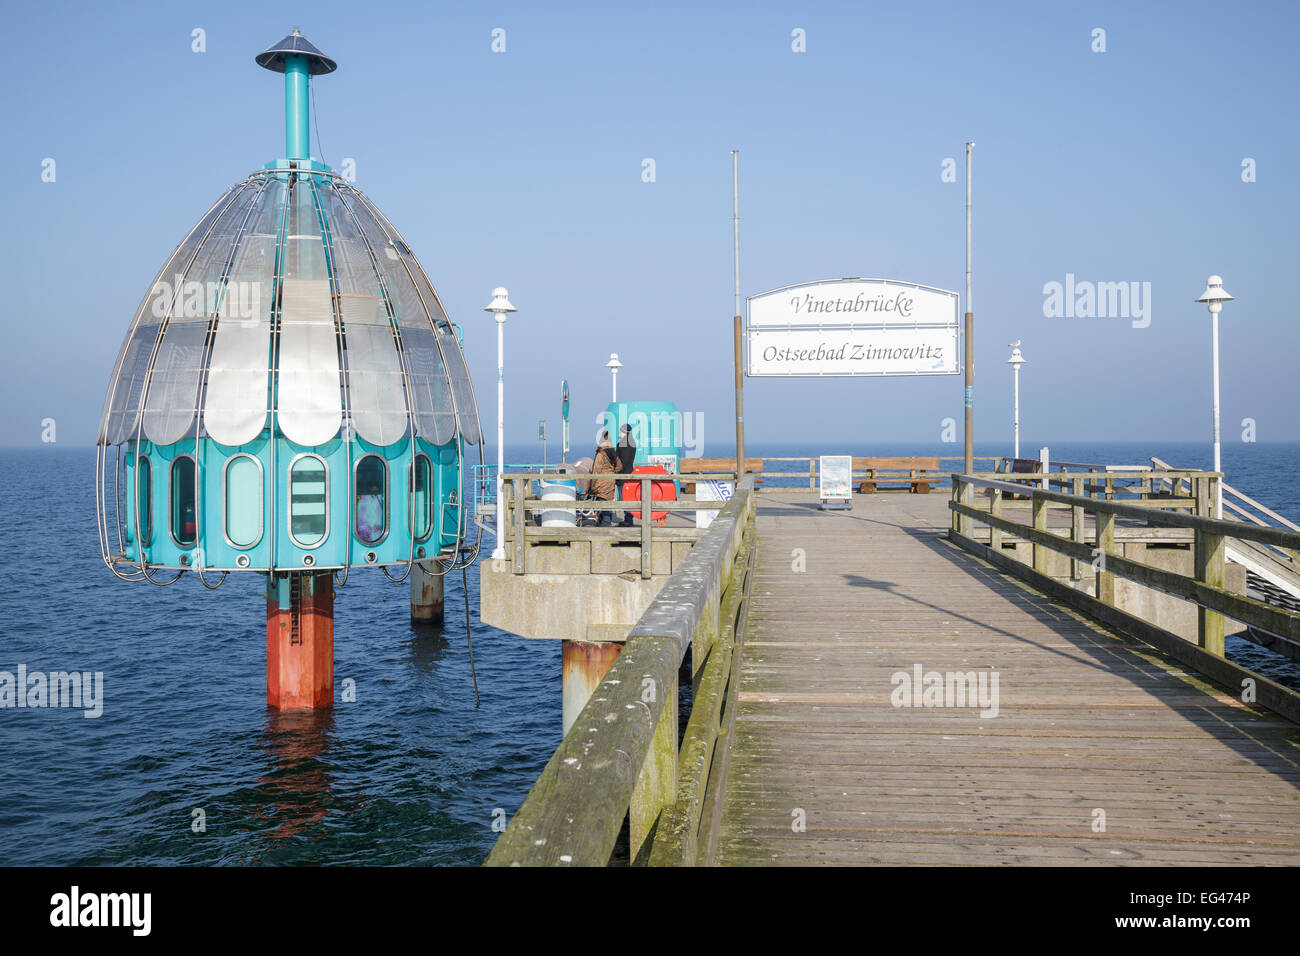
553	490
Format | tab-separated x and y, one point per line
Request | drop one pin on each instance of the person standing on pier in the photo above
626	462
604	462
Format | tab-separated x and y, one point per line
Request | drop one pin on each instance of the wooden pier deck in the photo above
1089	722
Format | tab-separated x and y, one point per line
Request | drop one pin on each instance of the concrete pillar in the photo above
583	664
300	640
426	594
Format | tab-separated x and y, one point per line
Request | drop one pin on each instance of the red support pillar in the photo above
300	641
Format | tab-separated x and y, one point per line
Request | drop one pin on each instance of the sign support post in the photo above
739	341
969	460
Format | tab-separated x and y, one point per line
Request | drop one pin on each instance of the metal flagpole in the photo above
969	460
739	345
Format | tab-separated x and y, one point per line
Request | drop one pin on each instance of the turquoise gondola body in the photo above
291	395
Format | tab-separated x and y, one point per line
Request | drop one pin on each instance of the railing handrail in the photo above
1153	513
1206	588
1096	466
1240	495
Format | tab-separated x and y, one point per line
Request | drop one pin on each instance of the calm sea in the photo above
411	773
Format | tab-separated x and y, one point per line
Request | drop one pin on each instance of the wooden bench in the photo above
1024	466
1020	466
690	466
916	473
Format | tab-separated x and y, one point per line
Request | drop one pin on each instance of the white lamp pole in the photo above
500	307
1214	296
613	365
1015	362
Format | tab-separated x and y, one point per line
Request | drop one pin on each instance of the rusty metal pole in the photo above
426	595
300	641
739	341
969	459
584	665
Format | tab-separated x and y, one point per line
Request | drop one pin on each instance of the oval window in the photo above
422	495
243	501
184	510
308	501
144	500
371	505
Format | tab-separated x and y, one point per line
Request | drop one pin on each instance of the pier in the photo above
1018	668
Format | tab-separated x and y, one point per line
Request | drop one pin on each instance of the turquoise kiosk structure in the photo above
290	400
656	427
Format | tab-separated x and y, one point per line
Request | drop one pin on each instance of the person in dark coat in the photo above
626	462
604	462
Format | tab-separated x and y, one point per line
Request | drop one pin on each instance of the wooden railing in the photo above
1205	588
519	503
856	475
620	760
1244	508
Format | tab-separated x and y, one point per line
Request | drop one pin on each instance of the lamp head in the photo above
1214	295
500	304
613	362
1016	359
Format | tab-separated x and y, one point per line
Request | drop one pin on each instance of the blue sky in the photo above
524	169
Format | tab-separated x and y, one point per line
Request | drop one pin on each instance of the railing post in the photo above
656	786
1209	570
995	510
1105	545
1040	524
1209	561
1202	496
519	514
1076	526
647	555
965	495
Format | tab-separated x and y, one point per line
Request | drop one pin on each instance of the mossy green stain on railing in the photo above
621	752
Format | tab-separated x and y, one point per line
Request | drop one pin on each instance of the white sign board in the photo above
854	302
791	352
710	490
853	327
669	462
835	477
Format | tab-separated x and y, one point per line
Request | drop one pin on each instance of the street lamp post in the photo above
613	365
1214	296
500	307
1015	362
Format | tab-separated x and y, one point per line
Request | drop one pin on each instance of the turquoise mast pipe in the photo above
299	60
297	106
